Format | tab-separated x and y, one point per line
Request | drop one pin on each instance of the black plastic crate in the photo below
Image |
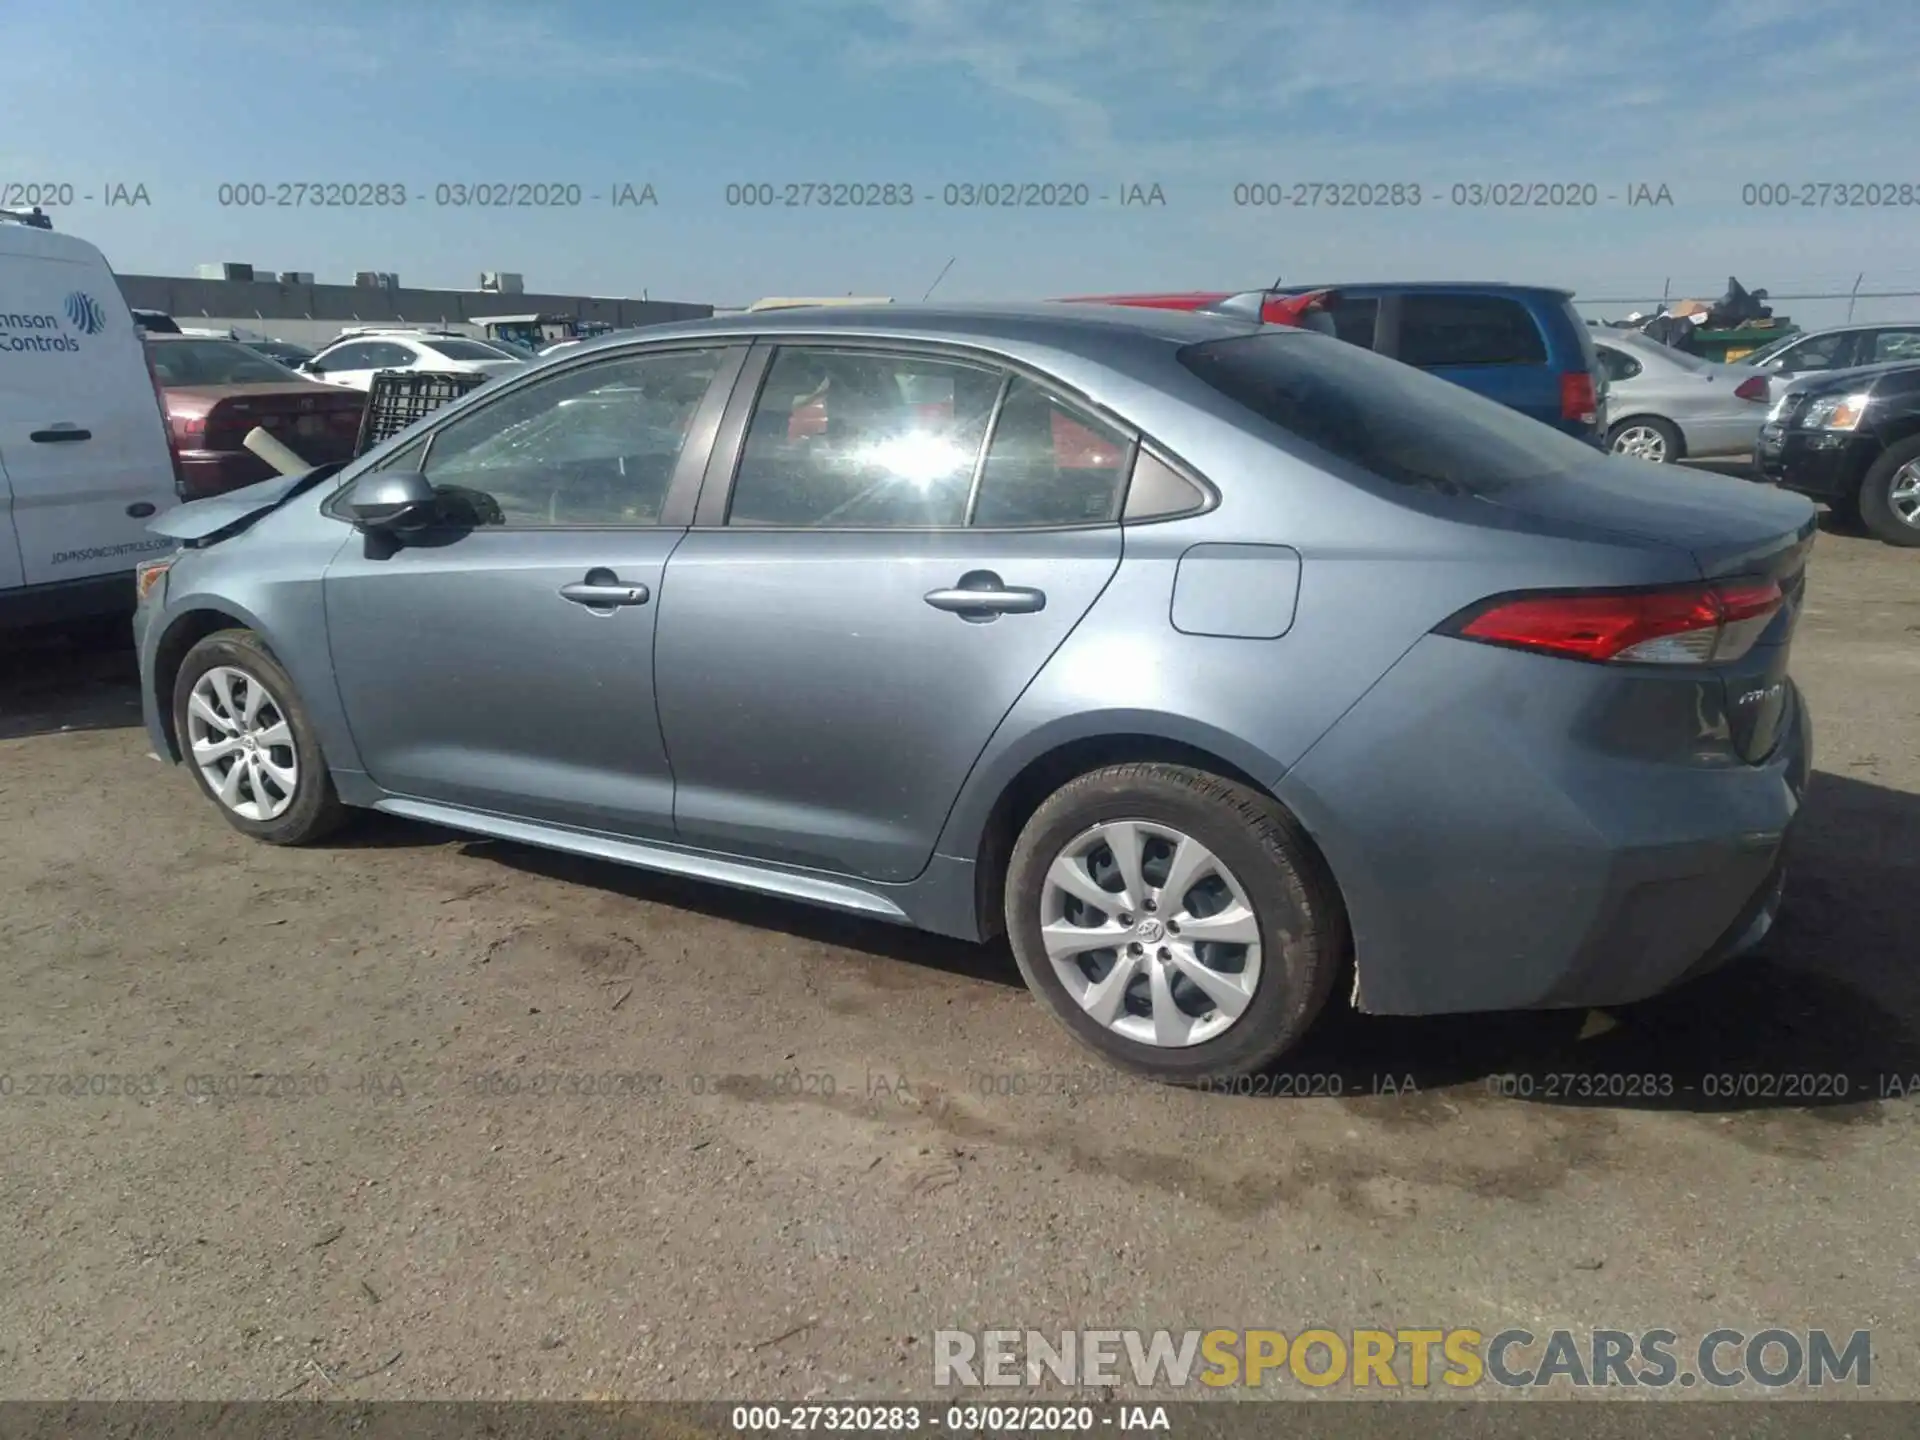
400	397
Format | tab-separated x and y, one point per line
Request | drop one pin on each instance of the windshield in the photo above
216	362
465	350
1390	419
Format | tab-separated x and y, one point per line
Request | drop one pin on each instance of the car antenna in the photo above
941	276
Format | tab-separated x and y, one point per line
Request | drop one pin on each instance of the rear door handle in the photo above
982	595
58	434
602	590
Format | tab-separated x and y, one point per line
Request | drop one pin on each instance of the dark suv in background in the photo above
1852	439
1522	345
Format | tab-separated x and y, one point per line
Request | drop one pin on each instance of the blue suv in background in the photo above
1522	345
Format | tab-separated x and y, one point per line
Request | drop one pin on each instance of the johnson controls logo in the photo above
28	331
85	313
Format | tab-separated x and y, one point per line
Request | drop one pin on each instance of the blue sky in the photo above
1192	95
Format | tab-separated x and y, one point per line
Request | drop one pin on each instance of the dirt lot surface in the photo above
387	1193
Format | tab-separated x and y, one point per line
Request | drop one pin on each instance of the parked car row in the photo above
85	453
1526	347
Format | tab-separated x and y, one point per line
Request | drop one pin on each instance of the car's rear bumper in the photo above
1497	850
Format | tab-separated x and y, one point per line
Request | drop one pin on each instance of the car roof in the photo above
1511	286
1064	325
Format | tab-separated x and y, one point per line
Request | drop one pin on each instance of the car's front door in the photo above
502	658
906	540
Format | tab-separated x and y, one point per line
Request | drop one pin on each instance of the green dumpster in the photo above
1727	346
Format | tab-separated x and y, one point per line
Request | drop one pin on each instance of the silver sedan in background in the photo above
1665	405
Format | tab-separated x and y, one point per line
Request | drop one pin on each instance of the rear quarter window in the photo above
1442	330
1385	417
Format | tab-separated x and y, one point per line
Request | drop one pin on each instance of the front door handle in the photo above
58	434
602	590
982	595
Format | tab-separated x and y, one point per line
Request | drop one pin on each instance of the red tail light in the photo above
1687	625
1753	389
1577	398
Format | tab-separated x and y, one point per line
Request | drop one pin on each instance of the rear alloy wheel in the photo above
246	738
1645	438
1890	495
1174	922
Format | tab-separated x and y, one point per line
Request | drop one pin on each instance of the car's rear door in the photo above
891	543
502	659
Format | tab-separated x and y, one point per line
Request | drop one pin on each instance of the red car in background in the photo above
214	392
1280	307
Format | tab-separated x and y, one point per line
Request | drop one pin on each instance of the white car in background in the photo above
353	360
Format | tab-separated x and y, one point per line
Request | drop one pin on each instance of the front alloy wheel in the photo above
1903	494
242	729
239	737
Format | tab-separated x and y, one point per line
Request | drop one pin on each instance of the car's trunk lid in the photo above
1733	529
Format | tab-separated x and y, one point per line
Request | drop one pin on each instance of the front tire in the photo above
1645	437
1890	495
249	743
1176	923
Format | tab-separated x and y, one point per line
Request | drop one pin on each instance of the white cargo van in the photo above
84	457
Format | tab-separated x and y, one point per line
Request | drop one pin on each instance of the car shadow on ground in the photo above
1825	1014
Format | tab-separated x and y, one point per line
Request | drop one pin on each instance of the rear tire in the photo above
249	743
1201	855
1890	495
1646	437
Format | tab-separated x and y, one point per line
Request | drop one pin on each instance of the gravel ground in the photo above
799	1163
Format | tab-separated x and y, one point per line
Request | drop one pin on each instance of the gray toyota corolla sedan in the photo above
1223	667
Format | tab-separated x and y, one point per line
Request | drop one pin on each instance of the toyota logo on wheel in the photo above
85	313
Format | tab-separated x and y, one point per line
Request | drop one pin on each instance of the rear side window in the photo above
1438	330
1050	463
1617	364
1353	321
863	440
1387	418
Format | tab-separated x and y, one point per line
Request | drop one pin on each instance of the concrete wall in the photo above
313	314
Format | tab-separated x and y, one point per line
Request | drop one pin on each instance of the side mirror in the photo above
383	499
311	366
